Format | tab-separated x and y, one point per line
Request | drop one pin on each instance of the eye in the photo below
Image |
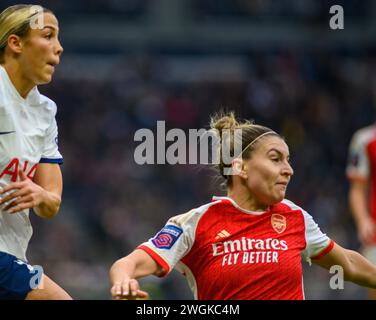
48	36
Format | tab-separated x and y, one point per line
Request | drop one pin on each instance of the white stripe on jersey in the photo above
316	241
183	268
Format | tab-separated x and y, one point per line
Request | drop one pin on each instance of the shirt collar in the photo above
232	201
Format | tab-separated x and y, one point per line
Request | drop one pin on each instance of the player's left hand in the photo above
23	194
128	289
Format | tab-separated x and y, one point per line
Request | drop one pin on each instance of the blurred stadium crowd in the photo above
315	10
315	97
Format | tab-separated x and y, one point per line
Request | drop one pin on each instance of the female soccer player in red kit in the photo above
247	245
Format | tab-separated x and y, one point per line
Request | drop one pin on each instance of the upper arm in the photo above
337	256
358	195
49	177
359	185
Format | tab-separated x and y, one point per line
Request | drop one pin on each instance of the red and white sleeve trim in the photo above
325	251
157	258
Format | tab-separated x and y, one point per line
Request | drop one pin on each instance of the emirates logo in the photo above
278	222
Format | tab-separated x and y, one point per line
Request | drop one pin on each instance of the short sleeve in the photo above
357	162
318	244
173	242
51	152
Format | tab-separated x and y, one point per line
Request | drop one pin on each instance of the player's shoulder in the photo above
293	207
193	215
47	104
288	205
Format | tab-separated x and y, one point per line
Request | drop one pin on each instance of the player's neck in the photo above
16	76
246	201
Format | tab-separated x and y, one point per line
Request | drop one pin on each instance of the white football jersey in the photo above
28	136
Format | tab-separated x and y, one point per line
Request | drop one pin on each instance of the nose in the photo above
288	170
59	49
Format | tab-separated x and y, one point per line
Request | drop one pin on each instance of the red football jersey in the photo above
227	252
362	163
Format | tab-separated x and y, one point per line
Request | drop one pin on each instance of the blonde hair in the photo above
251	134
15	20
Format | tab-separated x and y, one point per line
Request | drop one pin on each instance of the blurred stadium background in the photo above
129	63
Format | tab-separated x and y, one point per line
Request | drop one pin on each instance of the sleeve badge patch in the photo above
166	238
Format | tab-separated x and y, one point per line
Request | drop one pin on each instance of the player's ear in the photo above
15	43
238	168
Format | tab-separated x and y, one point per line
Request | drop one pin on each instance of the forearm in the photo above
122	269
125	271
362	271
49	206
134	266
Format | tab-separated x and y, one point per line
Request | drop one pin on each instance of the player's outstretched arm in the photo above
356	268
125	271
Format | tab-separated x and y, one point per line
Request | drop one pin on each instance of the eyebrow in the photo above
50	27
279	152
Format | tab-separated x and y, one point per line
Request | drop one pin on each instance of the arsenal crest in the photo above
278	222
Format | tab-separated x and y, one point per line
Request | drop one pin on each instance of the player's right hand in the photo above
128	290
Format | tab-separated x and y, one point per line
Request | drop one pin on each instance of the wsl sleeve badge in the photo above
166	238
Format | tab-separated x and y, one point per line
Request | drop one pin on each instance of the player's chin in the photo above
281	190
279	196
45	78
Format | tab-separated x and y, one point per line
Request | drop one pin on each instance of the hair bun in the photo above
224	121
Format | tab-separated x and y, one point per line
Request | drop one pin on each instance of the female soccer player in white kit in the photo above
30	175
247	245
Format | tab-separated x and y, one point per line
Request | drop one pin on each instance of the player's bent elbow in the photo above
49	205
54	210
49	211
